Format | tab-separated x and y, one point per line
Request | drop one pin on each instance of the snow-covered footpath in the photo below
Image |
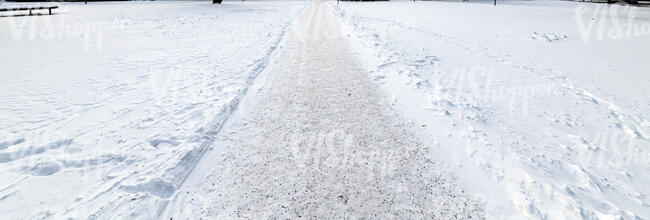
106	104
539	107
317	139
530	109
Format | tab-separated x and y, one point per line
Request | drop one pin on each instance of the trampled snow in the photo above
527	109
106	103
540	107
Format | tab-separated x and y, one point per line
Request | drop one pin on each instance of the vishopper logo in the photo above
610	22
40	28
338	149
190	84
326	148
320	25
475	86
613	149
49	154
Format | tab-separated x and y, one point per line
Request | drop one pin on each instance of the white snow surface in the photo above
144	110
105	104
538	107
317	139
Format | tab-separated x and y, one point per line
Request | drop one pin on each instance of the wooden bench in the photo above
30	9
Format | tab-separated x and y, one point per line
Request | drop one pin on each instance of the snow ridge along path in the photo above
122	100
316	138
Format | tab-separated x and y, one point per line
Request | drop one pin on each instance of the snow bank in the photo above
539	107
106	107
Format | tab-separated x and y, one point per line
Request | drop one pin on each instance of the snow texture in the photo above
554	128
298	109
319	140
106	105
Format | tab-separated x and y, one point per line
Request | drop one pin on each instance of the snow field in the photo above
108	105
531	109
552	128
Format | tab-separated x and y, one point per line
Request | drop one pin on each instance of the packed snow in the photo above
318	141
300	109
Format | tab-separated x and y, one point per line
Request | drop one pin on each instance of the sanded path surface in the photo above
316	139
